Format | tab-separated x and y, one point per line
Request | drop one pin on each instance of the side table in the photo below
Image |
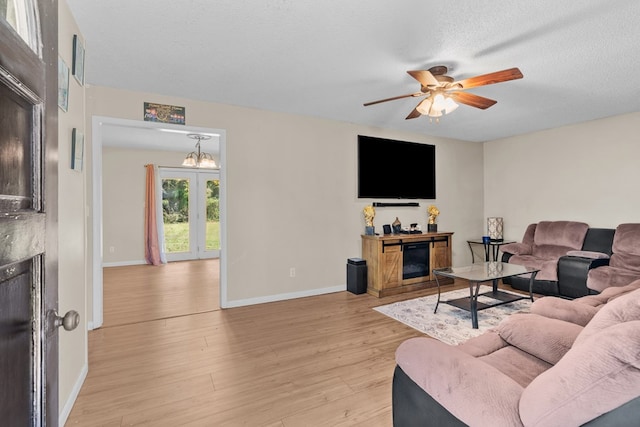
491	249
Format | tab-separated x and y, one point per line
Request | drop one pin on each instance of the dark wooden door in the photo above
28	213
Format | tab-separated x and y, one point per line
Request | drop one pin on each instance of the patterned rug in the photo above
450	324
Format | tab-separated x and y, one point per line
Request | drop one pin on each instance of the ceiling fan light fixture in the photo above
436	86
439	102
425	106
435	113
450	105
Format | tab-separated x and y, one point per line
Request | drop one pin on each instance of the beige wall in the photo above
71	227
291	192
123	192
586	172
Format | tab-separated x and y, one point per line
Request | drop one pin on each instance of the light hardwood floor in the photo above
318	361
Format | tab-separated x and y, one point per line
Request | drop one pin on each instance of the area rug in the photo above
450	324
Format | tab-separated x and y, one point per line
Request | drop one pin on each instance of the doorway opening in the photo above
147	132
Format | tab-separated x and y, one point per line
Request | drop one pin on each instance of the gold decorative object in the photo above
369	214
433	214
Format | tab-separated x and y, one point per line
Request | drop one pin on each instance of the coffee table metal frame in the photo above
491	248
479	273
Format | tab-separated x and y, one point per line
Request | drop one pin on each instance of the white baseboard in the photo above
68	405
123	263
282	297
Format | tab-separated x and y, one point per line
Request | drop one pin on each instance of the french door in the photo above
191	213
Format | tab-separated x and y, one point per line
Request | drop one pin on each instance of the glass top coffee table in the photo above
477	274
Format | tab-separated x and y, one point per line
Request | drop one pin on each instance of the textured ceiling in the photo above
580	60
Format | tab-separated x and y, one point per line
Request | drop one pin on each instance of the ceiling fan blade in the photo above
415	113
472	100
491	78
424	77
393	98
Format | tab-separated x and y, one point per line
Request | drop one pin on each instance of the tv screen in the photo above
389	169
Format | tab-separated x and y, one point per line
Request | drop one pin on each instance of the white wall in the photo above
586	172
123	193
291	193
72	276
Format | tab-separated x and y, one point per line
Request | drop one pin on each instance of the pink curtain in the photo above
152	249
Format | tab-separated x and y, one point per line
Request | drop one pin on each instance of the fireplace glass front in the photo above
415	260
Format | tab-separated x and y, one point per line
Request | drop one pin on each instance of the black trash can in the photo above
357	275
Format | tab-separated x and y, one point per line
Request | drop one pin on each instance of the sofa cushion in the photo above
626	261
483	344
516	248
517	364
461	383
543	337
626	248
625	308
567	234
566	310
605	277
597	375
548	268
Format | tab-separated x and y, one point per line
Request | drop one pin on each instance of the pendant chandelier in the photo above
199	159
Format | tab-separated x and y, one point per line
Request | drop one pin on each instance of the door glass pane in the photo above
175	212
21	16
16	130
213	215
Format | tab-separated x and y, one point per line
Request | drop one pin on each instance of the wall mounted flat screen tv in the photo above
390	169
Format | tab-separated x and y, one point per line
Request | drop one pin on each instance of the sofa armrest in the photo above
572	311
464	385
517	248
412	406
573	272
588	254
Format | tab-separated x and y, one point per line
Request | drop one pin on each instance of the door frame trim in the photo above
96	212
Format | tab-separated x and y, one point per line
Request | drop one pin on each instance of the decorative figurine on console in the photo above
369	213
397	226
433	212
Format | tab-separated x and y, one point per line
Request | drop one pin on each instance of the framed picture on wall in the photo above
78	59
63	85
77	149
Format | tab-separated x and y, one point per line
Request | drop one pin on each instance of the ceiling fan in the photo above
441	91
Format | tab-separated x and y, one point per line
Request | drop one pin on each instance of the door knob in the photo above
69	322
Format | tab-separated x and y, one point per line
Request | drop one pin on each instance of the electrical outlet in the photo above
112	249
292	272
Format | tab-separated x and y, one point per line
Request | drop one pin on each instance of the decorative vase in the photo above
494	228
397	226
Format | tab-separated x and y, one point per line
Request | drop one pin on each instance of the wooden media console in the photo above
398	263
